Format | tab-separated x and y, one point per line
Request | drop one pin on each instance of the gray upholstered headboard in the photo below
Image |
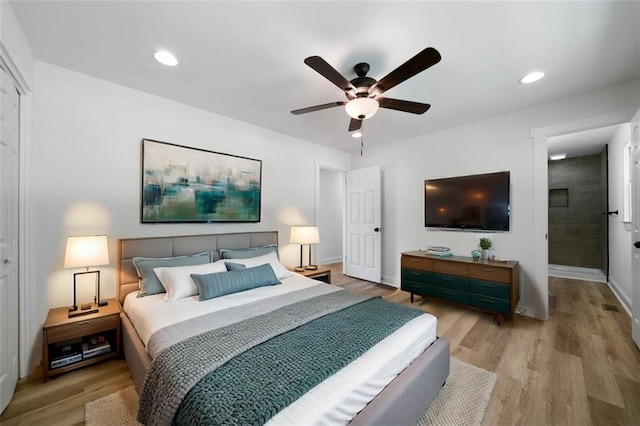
128	248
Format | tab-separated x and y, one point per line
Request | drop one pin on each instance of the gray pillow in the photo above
149	282
247	253
223	283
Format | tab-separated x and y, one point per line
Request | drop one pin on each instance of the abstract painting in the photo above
183	184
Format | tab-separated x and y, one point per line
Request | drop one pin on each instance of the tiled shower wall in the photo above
576	193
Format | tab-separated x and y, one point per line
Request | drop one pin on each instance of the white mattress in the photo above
337	399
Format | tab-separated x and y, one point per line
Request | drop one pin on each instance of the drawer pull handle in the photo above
449	279
83	323
487	285
449	293
488	301
488	269
415	273
414	260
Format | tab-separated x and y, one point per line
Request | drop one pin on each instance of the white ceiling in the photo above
245	59
579	144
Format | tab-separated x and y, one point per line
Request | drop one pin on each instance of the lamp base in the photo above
299	269
312	267
83	310
102	302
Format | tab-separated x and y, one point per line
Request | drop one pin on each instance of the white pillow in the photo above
270	258
177	280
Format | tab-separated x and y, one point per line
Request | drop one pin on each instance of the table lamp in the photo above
83	252
305	235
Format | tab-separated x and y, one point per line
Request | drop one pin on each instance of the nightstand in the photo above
320	274
72	343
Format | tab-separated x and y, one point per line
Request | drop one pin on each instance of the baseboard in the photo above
390	281
329	260
622	298
577	273
526	311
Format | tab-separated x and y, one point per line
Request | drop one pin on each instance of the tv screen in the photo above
477	202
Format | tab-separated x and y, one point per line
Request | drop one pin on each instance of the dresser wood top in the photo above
464	259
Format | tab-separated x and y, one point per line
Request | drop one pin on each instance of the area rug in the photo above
462	401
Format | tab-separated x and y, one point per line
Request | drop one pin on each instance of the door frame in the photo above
318	167
25	311
540	194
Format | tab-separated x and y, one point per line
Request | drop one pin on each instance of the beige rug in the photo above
462	401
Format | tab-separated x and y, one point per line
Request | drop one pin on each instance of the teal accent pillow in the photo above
149	282
223	283
247	253
231	266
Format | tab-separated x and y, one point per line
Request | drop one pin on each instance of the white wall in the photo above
330	216
499	143
86	169
620	248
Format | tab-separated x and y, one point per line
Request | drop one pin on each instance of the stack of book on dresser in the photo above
97	345
439	251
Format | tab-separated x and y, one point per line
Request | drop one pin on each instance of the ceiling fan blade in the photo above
355	124
423	60
317	107
404	106
330	73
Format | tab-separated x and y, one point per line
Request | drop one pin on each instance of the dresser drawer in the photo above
490	273
490	303
490	288
414	262
414	287
450	268
448	294
415	275
450	281
82	328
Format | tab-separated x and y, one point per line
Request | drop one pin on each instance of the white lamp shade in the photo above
305	235
86	251
361	108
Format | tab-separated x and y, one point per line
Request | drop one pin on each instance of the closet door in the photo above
9	107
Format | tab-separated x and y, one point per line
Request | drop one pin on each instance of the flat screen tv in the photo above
477	202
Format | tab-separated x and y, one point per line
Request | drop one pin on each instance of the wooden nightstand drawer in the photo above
82	328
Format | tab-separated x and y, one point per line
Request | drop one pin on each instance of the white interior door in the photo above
635	223
363	256
9	117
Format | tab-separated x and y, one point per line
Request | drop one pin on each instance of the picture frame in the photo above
181	184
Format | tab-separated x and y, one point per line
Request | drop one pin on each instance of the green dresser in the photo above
491	287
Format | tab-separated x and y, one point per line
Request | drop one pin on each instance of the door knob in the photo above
376	229
636	244
8	260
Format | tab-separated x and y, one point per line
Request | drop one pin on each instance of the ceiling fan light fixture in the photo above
532	77
361	108
166	58
356	134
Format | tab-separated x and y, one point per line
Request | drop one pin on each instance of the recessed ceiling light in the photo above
558	156
532	77
166	58
356	134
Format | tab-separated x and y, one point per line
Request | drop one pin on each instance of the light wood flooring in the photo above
579	368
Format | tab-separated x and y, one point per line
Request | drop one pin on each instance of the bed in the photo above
399	398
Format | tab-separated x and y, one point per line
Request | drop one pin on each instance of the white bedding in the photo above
336	400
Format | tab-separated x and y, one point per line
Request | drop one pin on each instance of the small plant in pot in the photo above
485	245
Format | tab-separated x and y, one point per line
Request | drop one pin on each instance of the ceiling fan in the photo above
363	92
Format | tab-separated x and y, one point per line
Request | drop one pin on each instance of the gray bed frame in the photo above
402	402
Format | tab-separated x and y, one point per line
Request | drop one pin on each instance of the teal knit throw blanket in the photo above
255	385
